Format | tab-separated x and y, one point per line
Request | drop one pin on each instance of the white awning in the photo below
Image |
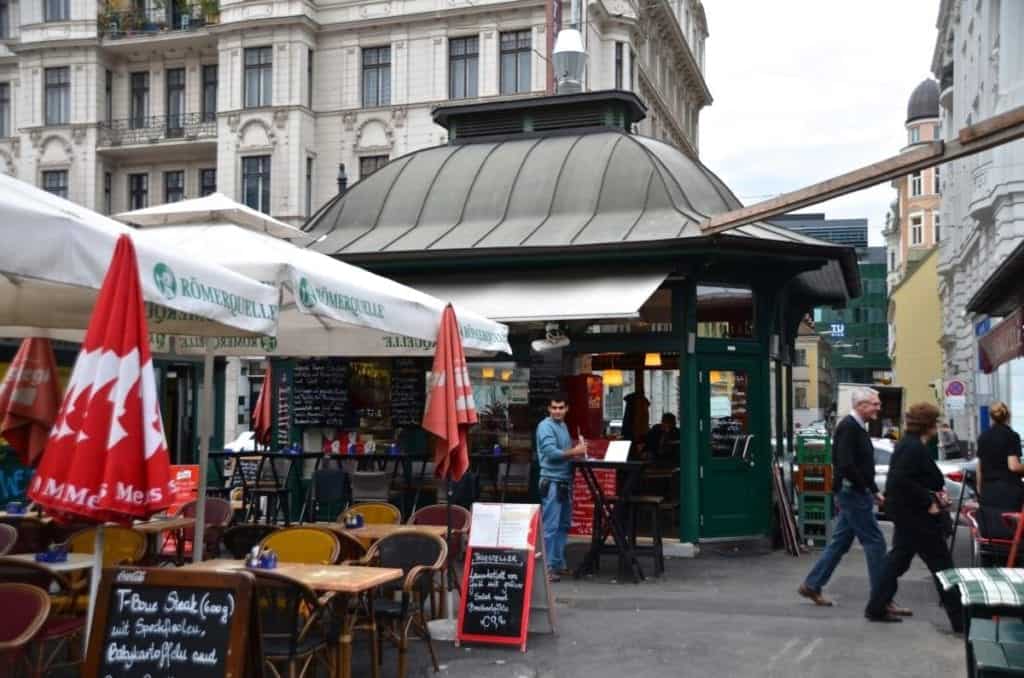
568	295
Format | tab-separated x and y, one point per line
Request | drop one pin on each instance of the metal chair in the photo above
26	608
420	556
460	519
33	534
218	517
332	492
294	625
985	551
121	546
310	545
374	513
8	538
239	539
371	486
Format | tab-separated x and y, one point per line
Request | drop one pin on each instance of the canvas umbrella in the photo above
261	418
106	459
29	398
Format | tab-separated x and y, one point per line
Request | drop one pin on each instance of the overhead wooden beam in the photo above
981	136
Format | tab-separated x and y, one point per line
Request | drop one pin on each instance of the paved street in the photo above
724	614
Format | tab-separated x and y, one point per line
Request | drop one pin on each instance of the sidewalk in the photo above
724	613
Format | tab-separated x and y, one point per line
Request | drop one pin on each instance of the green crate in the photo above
815	533
813	450
815	507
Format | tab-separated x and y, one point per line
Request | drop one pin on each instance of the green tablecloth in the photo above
992	586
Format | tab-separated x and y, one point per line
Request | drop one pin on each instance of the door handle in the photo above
748	455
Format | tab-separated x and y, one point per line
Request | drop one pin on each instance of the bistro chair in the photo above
310	545
371	486
26	608
332	492
218	517
986	551
437	514
8	538
294	625
374	513
239	539
420	556
121	545
33	534
351	549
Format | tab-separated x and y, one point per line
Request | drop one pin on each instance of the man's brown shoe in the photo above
816	596
900	611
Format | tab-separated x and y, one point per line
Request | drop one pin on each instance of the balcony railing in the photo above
158	128
174	16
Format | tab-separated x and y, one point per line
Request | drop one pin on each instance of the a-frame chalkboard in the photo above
174	623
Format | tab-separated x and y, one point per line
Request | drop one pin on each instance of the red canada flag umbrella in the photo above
29	397
450	408
106	459
261	423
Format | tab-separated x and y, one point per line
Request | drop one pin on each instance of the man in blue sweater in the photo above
554	452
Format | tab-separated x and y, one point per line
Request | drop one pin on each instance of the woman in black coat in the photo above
915	500
999	474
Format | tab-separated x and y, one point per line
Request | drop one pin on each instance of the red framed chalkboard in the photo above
498	577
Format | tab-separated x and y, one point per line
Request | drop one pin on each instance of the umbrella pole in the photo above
205	433
448	541
94	579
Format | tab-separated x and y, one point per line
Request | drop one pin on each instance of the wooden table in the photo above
154	528
75	562
347	582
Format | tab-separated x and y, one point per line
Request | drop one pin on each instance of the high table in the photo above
611	517
154	528
346	582
275	483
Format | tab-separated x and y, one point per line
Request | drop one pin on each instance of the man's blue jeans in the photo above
856	519
556	516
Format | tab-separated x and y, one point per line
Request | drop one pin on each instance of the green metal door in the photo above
735	480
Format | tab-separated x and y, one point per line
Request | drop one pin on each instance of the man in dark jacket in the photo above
857	494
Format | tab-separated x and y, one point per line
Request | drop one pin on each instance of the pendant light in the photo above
652	360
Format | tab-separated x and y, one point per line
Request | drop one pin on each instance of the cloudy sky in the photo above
806	89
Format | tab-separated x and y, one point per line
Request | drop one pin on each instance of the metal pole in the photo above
205	433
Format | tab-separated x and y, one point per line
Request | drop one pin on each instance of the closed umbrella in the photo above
29	398
261	423
106	459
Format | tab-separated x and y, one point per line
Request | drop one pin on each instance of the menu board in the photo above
320	393
496	592
545	381
284	407
408	392
171	623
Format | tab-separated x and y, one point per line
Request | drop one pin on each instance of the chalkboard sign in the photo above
248	470
171	623
320	393
282	378
496	593
408	392
545	381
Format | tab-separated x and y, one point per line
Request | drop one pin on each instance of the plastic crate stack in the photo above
813	482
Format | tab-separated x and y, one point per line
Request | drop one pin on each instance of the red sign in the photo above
186	489
1004	343
582	503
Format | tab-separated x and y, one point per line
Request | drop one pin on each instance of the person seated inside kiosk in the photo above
662	441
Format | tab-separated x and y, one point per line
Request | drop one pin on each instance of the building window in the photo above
516	53
800	398
138	191
376	76
800	358
935	173
58	96
56	182
56	10
368	164
309	79
463	67
108	193
309	186
5	109
915	135
175	105
892	261
915	183
258	76
620	49
108	96
139	103
209	100
916	230
174	186
207	182
5	19
256	182
936	218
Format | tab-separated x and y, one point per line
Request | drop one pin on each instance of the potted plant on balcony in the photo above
210	10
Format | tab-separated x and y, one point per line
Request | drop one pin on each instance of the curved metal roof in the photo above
578	189
924	101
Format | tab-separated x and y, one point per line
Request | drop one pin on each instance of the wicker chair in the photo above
8	538
294	625
26	608
239	539
311	545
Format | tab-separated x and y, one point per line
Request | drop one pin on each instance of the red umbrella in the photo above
106	459
261	423
29	396
450	409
